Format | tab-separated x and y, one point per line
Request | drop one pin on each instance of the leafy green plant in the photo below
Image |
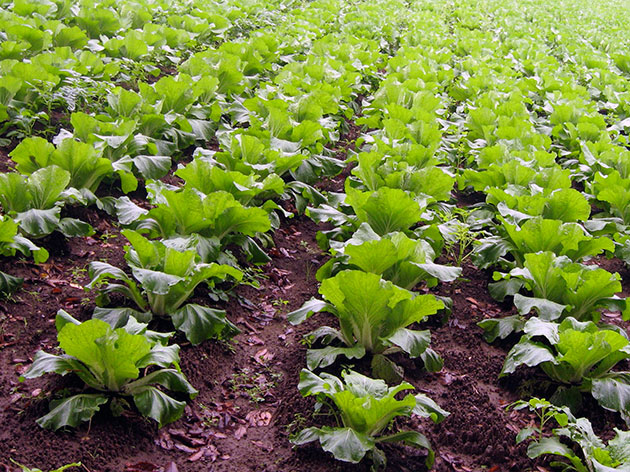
374	316
578	355
207	178
84	164
395	257
366	410
574	289
110	361
596	455
165	274
519	203
35	202
386	210
536	235
218	218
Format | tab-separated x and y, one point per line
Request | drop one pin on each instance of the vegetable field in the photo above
327	235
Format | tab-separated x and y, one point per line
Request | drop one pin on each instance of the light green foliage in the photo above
109	360
35	202
580	288
596	455
366	409
577	354
395	257
374	316
164	277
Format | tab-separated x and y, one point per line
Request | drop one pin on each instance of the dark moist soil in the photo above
248	402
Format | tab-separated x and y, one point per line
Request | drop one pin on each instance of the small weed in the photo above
228	345
298	423
34	294
255	385
78	273
280	303
106	236
252	276
458	236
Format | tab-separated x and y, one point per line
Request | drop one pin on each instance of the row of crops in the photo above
492	132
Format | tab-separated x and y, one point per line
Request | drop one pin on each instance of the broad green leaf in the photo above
320	358
44	363
39	223
384	368
612	391
385	210
199	323
9	284
549	446
345	444
72	411
427	408
158	405
528	353
45	186
412	342
501	327
111	355
546	309
305	311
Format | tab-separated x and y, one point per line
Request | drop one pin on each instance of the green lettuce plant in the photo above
395	257
536	235
364	409
82	161
578	355
163	277
35	202
374	316
218	218
386	210
127	362
574	289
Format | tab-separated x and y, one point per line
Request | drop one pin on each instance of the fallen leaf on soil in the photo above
141	467
253	340
286	254
259	418
264	446
171	467
263	356
184	448
447	378
240	432
184	437
197	455
473	301
164	440
246	323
